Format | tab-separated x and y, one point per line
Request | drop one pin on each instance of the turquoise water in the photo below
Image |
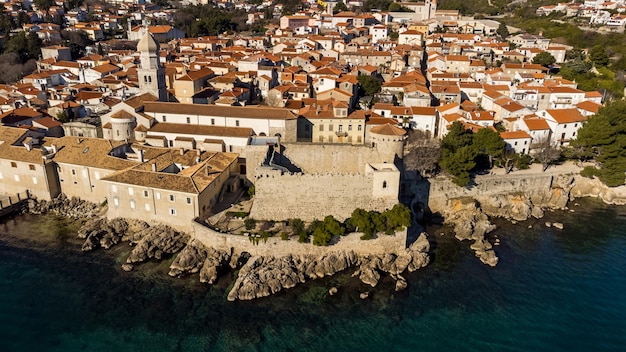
553	290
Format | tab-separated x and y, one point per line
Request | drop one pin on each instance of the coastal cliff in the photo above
514	197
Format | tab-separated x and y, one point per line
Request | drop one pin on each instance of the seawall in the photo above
274	246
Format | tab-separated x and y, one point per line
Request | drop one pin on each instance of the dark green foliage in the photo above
369	85
589	172
372	222
458	153
489	143
340	7
324	231
303	237
27	46
397	218
459	164
502	31
544	59
251	191
284	236
376	4
395	7
604	137
598	56
297	226
249	224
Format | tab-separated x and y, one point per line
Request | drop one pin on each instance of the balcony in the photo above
341	134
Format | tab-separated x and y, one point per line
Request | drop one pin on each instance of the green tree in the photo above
458	153
459	164
604	137
297	226
340	7
369	85
397	218
489	143
502	31
544	59
27	46
598	56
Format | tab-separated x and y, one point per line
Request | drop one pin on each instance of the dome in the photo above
147	44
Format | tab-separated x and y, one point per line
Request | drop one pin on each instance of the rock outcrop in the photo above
586	187
263	276
74	208
155	242
471	223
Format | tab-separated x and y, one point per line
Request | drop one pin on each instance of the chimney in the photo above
154	167
182	151
140	153
54	148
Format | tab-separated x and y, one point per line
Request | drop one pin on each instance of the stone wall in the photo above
281	196
436	191
335	158
274	246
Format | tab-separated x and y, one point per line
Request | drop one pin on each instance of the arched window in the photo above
384	184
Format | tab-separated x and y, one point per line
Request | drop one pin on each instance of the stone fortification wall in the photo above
438	190
281	196
274	246
335	158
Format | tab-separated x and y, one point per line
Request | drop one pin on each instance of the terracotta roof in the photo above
92	152
219	131
253	112
388	130
536	124
589	106
566	115
514	135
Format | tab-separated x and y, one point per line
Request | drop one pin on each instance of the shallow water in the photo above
558	290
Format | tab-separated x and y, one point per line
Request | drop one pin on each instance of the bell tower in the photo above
151	73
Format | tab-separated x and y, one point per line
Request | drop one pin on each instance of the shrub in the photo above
249	223
589	172
284	236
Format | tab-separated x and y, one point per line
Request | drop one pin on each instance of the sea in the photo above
553	290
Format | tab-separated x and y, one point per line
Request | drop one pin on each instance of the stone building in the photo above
25	164
311	181
171	186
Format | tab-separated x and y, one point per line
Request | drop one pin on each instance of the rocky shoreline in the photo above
263	275
257	276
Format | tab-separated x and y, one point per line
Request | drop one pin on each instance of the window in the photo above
114	188
149	79
321	127
17	178
131	191
34	180
172	198
189	120
13	164
132	204
515	142
330	128
171	143
188	200
340	129
384	184
237	123
164	118
358	128
158	195
118	132
525	142
212	121
172	211
31	167
147	207
349	127
145	194
116	201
